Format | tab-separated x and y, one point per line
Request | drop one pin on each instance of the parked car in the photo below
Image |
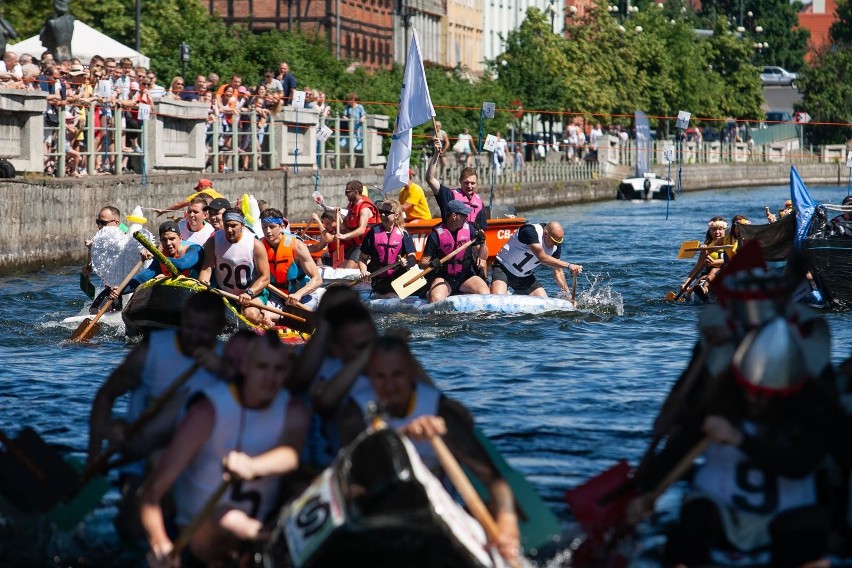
771	75
777	117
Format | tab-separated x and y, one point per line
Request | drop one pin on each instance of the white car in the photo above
777	76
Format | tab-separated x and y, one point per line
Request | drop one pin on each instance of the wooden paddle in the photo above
689	251
257	304
412	280
338	259
370	276
471	498
284	295
88	328
574	289
205	511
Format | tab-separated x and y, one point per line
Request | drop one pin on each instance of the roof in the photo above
86	42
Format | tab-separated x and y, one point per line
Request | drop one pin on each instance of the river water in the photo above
563	397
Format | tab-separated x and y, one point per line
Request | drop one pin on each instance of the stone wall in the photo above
45	221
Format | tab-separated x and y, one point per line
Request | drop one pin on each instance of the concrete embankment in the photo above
45	221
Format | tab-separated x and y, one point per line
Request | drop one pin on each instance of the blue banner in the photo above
804	205
643	144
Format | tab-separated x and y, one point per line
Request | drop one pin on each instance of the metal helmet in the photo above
769	361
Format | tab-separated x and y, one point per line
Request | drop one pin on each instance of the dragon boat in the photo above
471	303
378	505
156	304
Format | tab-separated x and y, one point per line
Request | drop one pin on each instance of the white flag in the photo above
399	161
415	105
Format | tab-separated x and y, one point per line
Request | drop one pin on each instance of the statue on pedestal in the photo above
56	33
6	32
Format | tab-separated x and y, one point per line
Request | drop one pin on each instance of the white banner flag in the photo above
399	161
415	104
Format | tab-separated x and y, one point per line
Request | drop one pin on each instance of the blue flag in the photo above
804	205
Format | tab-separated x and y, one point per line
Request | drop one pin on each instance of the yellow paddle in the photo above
88	328
257	304
412	280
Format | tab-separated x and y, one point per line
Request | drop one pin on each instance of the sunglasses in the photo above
385	213
101	223
555	240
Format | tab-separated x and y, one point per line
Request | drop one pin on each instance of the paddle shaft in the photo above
465	488
373	274
710	248
205	511
680	469
108	303
258	305
285	296
574	289
338	251
100	461
442	261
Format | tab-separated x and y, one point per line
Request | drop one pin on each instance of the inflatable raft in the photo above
469	303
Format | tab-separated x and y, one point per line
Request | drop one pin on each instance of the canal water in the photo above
562	396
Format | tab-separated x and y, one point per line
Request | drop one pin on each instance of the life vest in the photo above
280	258
184	246
353	217
388	245
448	244
516	257
475	204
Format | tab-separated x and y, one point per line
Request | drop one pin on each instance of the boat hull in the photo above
830	261
157	304
637	189
497	234
471	303
377	506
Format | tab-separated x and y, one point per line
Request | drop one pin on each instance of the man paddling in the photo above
466	193
290	263
145	373
194	228
531	246
252	429
240	263
385	244
420	411
361	214
459	274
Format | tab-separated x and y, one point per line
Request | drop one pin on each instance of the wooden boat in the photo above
828	250
497	234
377	506
156	304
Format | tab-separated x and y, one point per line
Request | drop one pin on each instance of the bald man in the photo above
516	262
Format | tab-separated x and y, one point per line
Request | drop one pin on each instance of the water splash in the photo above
598	297
115	253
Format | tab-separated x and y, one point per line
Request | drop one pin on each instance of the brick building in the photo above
817	17
362	30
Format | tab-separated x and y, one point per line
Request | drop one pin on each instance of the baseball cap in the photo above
242	90
77	69
456	206
203	184
218	204
169	227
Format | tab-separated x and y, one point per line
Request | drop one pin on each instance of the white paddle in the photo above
412	280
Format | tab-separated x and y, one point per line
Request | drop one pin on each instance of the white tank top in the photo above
163	365
732	477
234	268
516	257
198	237
426	404
236	429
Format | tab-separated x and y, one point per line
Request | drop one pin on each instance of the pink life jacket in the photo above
389	246
475	204
448	245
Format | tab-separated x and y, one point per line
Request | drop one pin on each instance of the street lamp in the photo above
551	9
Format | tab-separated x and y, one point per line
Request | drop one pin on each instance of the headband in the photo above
718	224
233	216
272	221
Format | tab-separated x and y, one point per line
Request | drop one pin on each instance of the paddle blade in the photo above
600	503
67	514
87	287
85	331
685	251
670	296
408	282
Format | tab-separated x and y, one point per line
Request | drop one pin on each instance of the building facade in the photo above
817	17
362	30
426	16
462	33
503	16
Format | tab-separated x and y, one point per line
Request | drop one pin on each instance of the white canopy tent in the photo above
86	42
